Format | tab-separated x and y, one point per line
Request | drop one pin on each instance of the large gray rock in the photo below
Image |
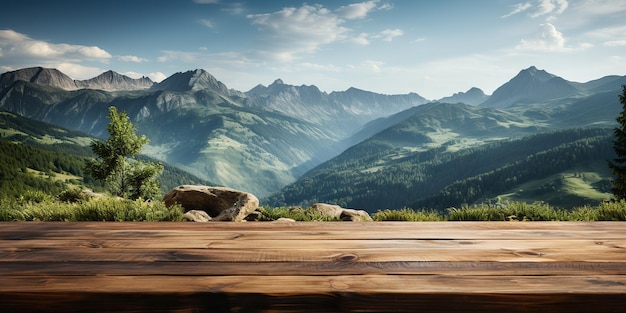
196	216
335	211
220	203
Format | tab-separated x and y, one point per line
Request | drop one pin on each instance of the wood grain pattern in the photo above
313	267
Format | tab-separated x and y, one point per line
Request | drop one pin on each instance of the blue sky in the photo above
434	48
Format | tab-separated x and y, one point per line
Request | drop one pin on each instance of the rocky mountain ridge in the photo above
242	140
268	137
108	81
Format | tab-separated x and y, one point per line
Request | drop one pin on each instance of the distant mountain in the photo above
204	128
342	112
270	136
531	86
112	81
474	96
604	84
109	81
194	81
39	76
440	155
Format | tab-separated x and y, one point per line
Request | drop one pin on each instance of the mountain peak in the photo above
535	73
278	82
113	81
39	75
530	85
473	96
195	80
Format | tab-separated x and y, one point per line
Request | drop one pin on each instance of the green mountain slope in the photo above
38	156
439	178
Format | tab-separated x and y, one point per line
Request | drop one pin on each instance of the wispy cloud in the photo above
540	8
548	39
545	7
206	1
234	8
131	58
19	45
298	30
207	23
601	7
386	35
615	43
389	34
614	36
357	10
518	8
293	31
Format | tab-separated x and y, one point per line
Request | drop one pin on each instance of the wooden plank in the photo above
301	284
269	254
112	268
313	267
322	244
328	302
317	230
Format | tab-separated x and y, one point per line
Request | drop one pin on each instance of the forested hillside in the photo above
37	156
440	179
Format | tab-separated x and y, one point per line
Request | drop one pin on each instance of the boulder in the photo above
355	216
196	216
335	211
284	220
330	210
220	203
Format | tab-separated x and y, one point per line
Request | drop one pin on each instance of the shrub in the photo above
407	215
104	209
295	213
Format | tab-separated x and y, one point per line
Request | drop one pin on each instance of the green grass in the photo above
71	206
34	206
295	213
407	215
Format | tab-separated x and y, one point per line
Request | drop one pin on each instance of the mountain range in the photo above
272	140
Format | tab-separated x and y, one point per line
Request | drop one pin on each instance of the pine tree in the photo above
116	165
619	146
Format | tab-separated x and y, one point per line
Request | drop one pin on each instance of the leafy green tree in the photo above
116	164
619	145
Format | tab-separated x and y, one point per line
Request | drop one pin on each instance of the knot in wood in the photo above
347	257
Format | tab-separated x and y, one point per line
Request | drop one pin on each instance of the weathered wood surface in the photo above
313	267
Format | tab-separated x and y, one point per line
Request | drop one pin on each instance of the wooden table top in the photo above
313	267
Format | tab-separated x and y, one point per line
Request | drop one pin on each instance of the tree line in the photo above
438	178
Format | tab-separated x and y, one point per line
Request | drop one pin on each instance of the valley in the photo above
296	145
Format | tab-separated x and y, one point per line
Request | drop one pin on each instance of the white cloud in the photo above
361	39
234	9
77	71
548	39
562	5
157	76
549	7
615	43
601	7
131	58
518	8
372	66
19	46
206	1
207	23
356	10
291	31
389	34
320	67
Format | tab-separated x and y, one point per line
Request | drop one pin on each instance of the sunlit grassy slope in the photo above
584	184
